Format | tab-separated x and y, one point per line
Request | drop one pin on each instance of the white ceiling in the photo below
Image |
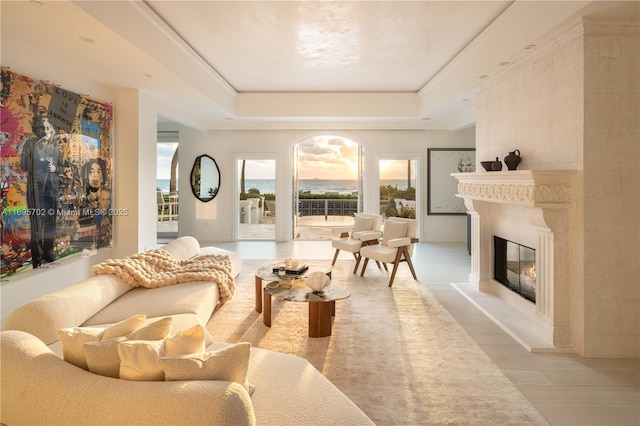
236	63
328	46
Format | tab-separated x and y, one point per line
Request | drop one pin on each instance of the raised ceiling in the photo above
229	62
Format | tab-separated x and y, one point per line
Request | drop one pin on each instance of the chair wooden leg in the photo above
402	253
408	258
364	266
335	257
358	259
393	273
396	262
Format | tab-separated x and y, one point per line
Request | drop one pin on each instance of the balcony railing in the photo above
338	207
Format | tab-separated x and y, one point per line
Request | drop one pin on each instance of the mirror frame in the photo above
196	173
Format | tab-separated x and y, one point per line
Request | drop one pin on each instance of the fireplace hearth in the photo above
515	267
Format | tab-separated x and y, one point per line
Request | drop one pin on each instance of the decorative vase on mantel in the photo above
496	165
512	160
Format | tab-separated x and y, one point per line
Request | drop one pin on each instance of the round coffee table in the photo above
292	288
265	273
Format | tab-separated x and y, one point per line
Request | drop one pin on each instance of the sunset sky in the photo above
328	158
322	157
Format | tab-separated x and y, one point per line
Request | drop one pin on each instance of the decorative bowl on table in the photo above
487	165
317	281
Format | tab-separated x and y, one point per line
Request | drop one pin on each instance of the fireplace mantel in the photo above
543	199
533	188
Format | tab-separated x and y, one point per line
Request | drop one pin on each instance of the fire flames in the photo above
529	275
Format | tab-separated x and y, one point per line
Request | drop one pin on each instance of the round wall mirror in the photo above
205	178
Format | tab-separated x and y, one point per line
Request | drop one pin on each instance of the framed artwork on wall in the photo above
441	186
56	173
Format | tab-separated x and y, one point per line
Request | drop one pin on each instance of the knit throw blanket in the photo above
158	268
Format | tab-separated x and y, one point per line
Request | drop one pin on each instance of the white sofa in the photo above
38	387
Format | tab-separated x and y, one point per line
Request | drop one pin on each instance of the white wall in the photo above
19	289
135	117
135	144
216	220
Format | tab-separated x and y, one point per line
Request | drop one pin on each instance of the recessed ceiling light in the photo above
86	39
503	64
529	46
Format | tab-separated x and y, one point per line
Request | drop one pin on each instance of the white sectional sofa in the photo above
39	387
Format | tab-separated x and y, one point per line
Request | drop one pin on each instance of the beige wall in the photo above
611	190
573	105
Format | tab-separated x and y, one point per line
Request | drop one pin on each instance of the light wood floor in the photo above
565	388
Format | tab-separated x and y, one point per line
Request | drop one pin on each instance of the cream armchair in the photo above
396	246
365	230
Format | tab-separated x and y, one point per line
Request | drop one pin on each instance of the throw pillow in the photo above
189	341
362	224
393	230
156	330
72	339
124	327
230	363
139	360
102	357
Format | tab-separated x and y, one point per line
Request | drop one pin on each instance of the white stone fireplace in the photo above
532	208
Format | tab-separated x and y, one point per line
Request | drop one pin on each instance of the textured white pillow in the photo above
393	230
156	330
124	327
189	341
230	364
102	357
72	339
139	360
362	224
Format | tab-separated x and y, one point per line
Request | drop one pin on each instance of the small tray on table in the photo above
291	271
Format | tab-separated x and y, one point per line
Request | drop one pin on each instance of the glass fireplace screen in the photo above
515	267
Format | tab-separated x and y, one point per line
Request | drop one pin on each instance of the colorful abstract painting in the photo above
56	172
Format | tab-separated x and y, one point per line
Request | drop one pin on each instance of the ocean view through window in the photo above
163	185
319	186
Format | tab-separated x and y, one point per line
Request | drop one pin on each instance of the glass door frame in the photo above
294	152
418	158
237	158
166	137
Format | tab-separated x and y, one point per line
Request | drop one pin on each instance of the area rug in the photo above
395	352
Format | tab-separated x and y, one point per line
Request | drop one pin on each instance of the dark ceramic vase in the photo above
512	160
496	165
